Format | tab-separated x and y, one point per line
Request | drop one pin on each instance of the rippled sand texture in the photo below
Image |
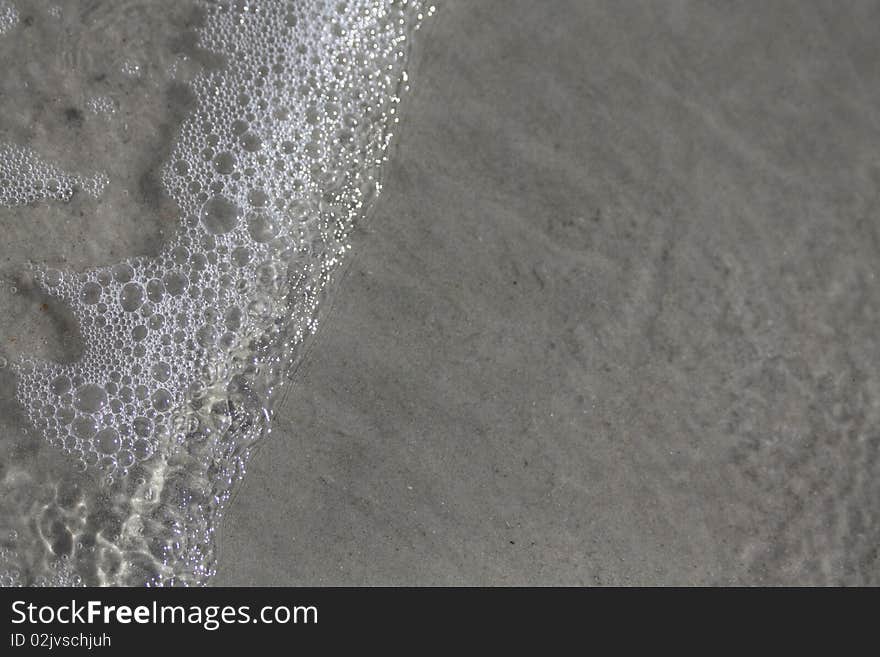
616	317
273	120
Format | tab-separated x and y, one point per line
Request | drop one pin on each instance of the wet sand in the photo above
613	320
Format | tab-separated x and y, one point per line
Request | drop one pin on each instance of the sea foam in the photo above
184	352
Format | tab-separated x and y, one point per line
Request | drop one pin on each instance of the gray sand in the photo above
613	320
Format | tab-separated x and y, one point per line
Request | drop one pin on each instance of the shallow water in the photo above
178	183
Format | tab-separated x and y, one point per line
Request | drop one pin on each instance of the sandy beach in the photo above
613	320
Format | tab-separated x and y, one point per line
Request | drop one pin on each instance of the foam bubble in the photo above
8	16
185	351
26	178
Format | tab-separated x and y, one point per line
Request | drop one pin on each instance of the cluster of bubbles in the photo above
184	351
60	573
26	178
10	575
8	16
101	105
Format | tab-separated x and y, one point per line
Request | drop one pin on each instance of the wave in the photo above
185	352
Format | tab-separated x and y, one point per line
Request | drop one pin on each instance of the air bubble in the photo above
90	293
258	198
175	283
125	459
84	427
220	215
262	226
142	449
131	297
161	372
142	426
107	441
90	397
65	415
155	290
162	400
206	336
241	256
123	273
250	142
224	163
60	384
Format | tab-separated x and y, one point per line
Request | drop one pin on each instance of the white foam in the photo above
26	178
184	351
8	16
